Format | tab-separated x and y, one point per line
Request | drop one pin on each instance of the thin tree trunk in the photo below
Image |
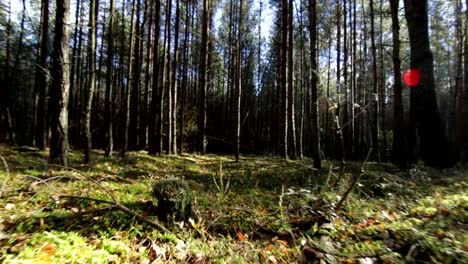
93	13
375	103
291	104
109	143
283	74
203	77
174	83
301	84
149	60
238	82
167	77
184	87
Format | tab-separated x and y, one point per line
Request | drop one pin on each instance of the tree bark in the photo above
238	82
41	78
202	142
399	140
174	83
314	78
60	85
374	98
283	75
109	141
154	117
93	13
424	114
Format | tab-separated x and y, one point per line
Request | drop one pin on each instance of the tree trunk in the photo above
60	85
463	101
149	60
314	88
238	82
292	117
130	85
184	87
375	103
284	74
425	119
173	113
167	75
203	78
399	142
154	117
109	142
41	78
134	93
93	13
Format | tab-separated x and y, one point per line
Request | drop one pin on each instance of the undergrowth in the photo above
261	210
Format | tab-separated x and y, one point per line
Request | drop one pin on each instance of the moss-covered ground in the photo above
261	210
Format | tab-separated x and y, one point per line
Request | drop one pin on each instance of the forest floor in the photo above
261	210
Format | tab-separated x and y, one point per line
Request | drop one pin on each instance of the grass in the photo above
272	211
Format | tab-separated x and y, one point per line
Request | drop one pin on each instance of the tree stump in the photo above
174	199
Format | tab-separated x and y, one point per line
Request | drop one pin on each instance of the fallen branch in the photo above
117	205
350	188
96	182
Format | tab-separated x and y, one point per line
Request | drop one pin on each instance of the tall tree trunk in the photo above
314	78
154	117
174	83
354	82
283	74
184	87
339	87
60	85
301	85
381	91
399	140
238	82
203	77
424	113
108	118
345	89
130	85
75	86
291	104
17	112
134	93
93	13
167	75
5	98
149	60
463	101
41	78
375	103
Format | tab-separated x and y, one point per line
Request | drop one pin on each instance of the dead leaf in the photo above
241	236
49	249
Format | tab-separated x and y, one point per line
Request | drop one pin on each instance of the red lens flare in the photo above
412	77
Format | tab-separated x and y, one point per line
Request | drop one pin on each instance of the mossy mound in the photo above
174	199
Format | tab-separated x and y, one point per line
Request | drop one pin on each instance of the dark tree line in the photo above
180	75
